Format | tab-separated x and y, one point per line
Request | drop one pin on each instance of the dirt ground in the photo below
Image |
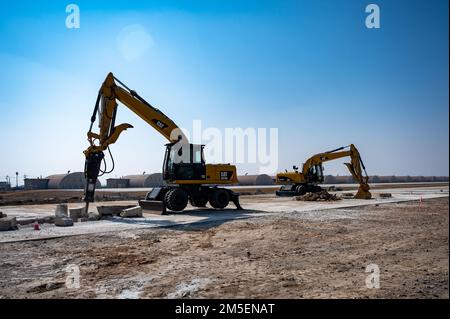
282	256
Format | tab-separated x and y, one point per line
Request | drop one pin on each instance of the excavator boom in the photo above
106	107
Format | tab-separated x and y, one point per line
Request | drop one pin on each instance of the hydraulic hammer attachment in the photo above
91	171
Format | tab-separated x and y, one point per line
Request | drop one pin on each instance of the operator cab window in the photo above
198	156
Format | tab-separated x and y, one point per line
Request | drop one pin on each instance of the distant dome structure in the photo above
73	180
145	180
248	180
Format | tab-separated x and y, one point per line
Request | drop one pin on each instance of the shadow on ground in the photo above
210	218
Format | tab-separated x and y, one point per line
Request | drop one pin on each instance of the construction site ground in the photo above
276	248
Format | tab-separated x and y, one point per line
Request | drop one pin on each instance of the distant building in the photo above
5	186
329	179
262	179
35	183
118	183
344	179
145	180
74	180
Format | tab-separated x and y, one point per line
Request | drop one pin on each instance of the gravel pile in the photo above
323	196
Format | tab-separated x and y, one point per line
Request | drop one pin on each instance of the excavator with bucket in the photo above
186	175
299	183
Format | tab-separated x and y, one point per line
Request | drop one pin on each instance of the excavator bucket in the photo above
363	192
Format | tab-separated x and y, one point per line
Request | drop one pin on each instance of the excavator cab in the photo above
183	161
315	174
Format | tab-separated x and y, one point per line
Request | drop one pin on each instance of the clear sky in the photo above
309	68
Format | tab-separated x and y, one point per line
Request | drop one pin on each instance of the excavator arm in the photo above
111	92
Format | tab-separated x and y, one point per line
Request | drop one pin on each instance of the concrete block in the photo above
77	213
112	210
40	220
132	212
92	216
27	221
84	213
63	221
61	210
49	219
8	223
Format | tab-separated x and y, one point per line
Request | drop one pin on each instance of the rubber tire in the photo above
198	201
219	198
176	199
301	190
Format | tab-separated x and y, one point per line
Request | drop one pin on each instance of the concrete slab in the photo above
93	216
132	212
114	210
63	221
61	210
8	223
77	213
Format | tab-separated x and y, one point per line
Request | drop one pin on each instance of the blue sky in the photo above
309	68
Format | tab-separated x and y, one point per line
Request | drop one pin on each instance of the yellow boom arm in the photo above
106	106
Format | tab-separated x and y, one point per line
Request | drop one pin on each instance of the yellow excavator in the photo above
187	177
299	183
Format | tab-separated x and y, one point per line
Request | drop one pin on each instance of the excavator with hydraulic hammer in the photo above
308	180
186	175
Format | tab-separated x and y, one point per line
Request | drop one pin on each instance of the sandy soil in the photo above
283	256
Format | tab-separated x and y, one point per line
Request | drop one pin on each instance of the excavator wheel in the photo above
287	191
219	198
300	190
176	199
198	201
